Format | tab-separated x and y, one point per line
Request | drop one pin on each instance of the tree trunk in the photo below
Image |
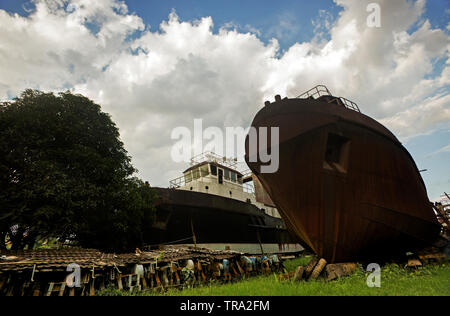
30	240
17	239
2	240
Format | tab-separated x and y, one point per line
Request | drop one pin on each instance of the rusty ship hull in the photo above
345	185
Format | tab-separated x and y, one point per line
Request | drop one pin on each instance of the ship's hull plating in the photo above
215	222
371	202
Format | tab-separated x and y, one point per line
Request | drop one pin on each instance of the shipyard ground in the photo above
431	280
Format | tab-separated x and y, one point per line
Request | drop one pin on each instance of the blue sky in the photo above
263	15
415	120
425	151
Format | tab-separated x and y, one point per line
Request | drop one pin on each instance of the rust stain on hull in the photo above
345	185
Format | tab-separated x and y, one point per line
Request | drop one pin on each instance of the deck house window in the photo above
204	171
233	176
213	170
188	177
227	174
220	176
196	173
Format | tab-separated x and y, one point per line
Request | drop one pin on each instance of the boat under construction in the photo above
345	186
213	205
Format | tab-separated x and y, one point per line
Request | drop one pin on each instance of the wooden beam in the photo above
193	233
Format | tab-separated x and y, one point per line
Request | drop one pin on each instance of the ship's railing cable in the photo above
167	243
175	241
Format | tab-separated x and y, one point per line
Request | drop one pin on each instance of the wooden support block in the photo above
72	292
130	281
241	271
337	270
203	276
298	274
152	282
10	291
50	289
310	266
92	288
119	282
25	285
177	277
318	269
165	278
144	283
158	281
36	290
62	287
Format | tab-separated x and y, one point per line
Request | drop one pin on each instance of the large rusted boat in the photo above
345	185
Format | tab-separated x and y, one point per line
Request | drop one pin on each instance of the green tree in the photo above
64	173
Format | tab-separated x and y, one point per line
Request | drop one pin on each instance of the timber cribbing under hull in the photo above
45	272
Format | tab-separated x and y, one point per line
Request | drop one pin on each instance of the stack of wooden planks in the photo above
75	272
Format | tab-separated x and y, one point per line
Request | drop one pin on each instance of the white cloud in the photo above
287	26
445	149
421	119
54	49
322	24
152	81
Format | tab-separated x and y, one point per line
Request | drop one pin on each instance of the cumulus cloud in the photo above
445	149
286	27
54	48
152	80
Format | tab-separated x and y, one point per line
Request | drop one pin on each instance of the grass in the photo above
432	280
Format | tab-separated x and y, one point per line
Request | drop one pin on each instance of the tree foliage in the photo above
64	173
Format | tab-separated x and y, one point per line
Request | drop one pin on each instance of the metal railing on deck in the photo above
210	156
350	104
181	182
177	182
321	90
315	92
